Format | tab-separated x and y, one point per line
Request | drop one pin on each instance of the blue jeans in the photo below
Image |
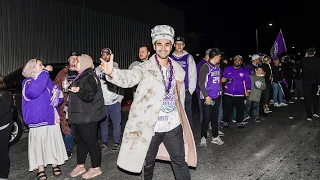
200	104
68	140
277	91
255	106
114	111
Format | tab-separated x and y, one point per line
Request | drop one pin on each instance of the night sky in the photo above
231	25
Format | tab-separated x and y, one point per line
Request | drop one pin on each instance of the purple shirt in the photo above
183	62
212	84
237	79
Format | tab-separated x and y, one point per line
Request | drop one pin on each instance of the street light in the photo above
270	24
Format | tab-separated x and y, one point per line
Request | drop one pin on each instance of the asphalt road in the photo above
276	148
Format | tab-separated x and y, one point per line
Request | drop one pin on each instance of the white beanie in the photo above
162	32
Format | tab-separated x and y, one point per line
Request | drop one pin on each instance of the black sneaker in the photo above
69	153
225	125
104	146
240	125
257	120
115	147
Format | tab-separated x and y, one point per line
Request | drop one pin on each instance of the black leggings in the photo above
4	152
86	136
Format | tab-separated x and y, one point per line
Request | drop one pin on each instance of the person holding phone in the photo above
210	85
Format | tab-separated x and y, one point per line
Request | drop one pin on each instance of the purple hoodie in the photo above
237	76
36	100
199	65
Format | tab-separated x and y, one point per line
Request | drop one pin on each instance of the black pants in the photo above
229	103
267	94
188	106
4	152
173	141
311	99
86	137
287	90
211	114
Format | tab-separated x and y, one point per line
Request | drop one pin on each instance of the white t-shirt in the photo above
168	117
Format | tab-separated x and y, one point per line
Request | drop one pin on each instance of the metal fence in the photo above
51	30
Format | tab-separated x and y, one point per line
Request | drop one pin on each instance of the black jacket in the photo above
288	70
87	105
298	74
267	69
277	73
6	103
310	68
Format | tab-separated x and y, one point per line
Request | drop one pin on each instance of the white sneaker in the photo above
233	120
271	101
220	133
277	105
290	102
283	104
316	115
203	142
309	119
302	98
217	140
267	111
295	98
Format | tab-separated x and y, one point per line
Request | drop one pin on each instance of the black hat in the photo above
214	52
74	54
179	38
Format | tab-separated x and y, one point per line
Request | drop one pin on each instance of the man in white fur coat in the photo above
157	126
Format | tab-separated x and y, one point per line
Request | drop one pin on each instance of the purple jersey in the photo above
213	85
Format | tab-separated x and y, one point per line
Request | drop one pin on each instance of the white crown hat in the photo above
162	32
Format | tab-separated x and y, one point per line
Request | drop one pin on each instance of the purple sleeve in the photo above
35	87
225	73
247	80
60	101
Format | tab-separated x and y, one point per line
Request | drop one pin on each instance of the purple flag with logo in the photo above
279	46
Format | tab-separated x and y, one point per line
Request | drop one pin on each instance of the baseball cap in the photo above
216	51
179	38
207	52
74	54
238	57
254	57
106	50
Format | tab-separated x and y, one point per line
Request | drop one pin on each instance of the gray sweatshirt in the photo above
255	93
108	96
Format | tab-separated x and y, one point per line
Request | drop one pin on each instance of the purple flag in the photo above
279	46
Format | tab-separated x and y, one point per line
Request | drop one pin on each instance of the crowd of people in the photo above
68	110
